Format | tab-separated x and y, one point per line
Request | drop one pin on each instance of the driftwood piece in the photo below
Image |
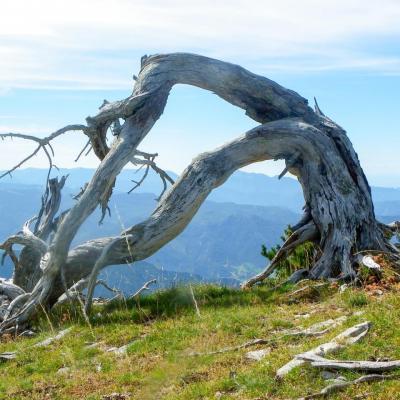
304	289
314	330
8	355
145	287
338	386
368	366
196	306
318	329
11	355
52	339
349	336
73	292
119	351
245	345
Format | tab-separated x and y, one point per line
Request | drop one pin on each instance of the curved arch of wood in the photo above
315	149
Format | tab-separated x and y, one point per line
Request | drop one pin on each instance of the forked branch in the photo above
41	144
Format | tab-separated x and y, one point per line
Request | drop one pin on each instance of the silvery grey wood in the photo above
339	213
349	336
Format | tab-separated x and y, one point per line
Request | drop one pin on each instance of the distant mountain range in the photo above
241	188
221	244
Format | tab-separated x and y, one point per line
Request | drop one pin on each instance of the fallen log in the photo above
349	336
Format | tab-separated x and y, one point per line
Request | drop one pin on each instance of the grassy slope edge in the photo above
164	328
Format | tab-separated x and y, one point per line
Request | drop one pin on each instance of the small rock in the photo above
92	345
332	376
328	375
194	377
306	315
63	371
343	288
358	313
119	351
116	396
257	355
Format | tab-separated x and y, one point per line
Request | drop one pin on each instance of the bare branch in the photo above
146	286
368	366
108	287
349	336
263	100
8	289
100	263
253	342
142	179
338	386
148	162
8	251
88	144
74	291
196	306
51	201
42	142
318	329
26	238
52	339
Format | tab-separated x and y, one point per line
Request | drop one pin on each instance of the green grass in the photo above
164	329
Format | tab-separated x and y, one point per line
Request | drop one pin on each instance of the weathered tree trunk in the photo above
339	213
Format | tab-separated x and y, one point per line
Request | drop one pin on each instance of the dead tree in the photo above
339	213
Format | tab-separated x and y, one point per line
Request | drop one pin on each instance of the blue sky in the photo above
59	59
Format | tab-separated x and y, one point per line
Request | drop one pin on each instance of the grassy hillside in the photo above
164	329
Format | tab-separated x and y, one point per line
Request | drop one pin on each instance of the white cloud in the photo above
97	43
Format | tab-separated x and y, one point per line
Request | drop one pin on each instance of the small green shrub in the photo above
302	257
357	299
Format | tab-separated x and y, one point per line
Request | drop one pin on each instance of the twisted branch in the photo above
42	143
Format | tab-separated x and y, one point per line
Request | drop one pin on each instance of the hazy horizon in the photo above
133	168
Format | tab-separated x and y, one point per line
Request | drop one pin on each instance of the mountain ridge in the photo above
223	240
